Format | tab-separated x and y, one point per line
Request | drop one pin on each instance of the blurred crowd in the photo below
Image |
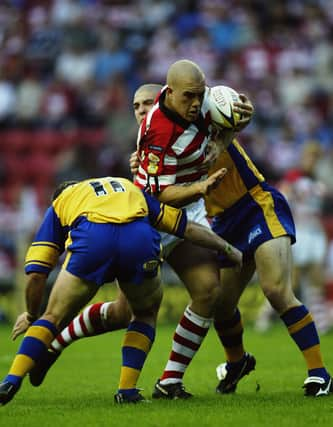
67	65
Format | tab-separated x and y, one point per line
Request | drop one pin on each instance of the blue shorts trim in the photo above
261	215
101	253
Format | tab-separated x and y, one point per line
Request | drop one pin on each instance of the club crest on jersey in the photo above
153	162
151	265
254	233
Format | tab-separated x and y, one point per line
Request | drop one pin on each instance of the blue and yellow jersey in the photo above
242	177
100	200
246	210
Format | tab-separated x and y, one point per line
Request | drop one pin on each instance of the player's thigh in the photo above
197	268
274	264
69	294
297	273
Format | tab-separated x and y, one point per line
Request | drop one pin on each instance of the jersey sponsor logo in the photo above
155	147
254	233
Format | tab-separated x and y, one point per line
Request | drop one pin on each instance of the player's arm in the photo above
42	256
33	296
203	236
174	221
222	138
181	195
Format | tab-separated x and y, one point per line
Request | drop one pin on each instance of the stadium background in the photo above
68	71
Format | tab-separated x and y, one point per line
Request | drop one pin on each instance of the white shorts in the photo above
310	246
196	212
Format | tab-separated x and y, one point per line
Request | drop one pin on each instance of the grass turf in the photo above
80	387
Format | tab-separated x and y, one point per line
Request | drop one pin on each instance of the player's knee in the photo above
149	310
207	295
149	304
279	296
119	313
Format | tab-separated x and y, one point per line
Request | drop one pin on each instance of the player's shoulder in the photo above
160	130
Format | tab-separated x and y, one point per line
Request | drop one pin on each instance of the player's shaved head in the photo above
144	98
184	70
186	89
151	88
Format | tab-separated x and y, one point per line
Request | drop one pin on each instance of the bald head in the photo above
144	99
184	70
151	88
186	89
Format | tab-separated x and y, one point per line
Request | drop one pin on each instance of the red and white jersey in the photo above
170	148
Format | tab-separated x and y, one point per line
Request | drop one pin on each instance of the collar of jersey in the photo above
176	118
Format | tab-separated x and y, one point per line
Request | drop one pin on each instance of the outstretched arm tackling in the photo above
203	236
181	195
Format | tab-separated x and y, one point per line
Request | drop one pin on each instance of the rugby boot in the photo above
170	391
230	374
7	392
317	386
122	398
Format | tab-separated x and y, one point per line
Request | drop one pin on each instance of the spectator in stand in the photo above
7	102
58	104
29	98
111	57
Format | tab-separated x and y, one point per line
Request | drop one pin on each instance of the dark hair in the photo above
61	187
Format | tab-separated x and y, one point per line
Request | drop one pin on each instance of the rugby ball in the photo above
221	101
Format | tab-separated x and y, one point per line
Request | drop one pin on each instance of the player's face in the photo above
186	99
142	103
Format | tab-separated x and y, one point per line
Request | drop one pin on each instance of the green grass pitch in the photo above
79	389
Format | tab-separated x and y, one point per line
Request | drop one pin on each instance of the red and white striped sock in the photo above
86	324
187	339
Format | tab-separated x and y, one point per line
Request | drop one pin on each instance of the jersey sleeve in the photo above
49	243
166	218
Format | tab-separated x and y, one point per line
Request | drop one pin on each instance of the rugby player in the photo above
254	216
106	225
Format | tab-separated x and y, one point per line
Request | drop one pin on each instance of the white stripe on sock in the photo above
185	333
175	366
203	322
77	327
86	319
185	351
